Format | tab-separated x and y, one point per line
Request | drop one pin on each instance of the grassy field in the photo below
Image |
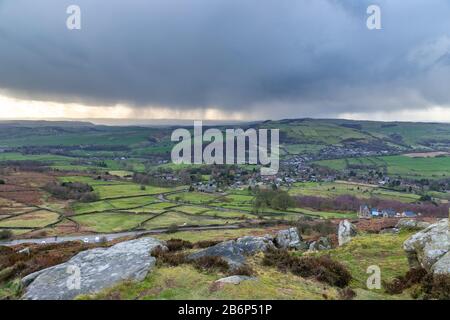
185	282
408	167
170	218
323	214
383	250
126	190
209	235
334	189
37	219
110	221
193	197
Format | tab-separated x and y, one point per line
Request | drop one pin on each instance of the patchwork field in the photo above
124	205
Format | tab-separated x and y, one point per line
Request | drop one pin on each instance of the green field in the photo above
37	219
382	250
334	189
110	221
175	218
404	166
193	197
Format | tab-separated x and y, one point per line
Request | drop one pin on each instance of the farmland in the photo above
89	183
338	188
106	158
404	166
124	205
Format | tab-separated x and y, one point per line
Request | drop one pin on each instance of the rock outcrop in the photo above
235	251
323	243
290	239
93	270
346	232
389	231
412	224
235	279
430	248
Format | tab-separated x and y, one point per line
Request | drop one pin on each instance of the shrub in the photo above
244	270
211	264
2	181
172	228
178	244
322	228
399	284
72	190
5	234
323	268
436	287
329	271
5	250
394	287
347	294
278	258
6	273
205	244
170	258
207	263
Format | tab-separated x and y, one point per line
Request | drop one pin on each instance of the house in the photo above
409	214
375	213
208	188
364	212
388	213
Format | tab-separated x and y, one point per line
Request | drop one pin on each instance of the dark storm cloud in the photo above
279	57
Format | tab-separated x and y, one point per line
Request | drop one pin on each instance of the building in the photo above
389	213
409	214
364	212
375	213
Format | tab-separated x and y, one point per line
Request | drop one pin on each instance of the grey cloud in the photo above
296	57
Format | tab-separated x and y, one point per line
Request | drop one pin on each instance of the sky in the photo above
225	59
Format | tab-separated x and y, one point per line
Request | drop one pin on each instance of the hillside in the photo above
297	135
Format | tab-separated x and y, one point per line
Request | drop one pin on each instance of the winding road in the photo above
92	238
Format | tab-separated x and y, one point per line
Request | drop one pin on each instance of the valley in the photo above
84	186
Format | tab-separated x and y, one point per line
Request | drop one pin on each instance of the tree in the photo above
275	199
281	201
5	234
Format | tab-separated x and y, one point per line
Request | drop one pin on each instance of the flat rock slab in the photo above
235	279
93	270
235	251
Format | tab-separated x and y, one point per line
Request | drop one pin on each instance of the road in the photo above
92	238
